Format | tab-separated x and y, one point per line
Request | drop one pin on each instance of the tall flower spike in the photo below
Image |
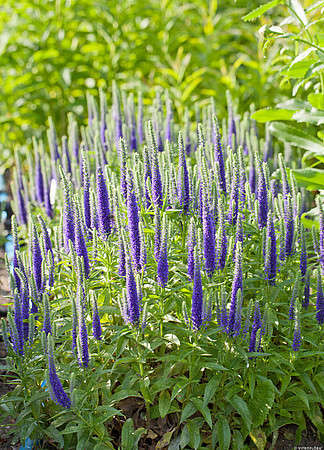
96	326
197	296
82	327
103	121
321	239
236	285
238	314
294	294
262	195
47	316
306	290
56	389
221	238
122	256
74	326
255	327
15	251
183	178
68	216
133	223
73	137
289	225
297	335
208	235
19	324
104	219
303	254
48	248
157	233
36	259
319	299
39	179
140	118
132	297
47	196
191	242
21	205
123	169
271	251
117	117
86	191
66	155
80	245
219	154
157	195
143	258
162	263
233	205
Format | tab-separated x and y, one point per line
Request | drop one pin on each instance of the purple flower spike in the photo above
39	180
48	249
80	245
197	297
157	234
162	264
262	196
96	326
208	236
37	259
68	216
221	239
104	218
117	116
271	253
234	199
19	324
297	337
123	170
219	154
289	225
86	192
122	257
133	224
303	255
236	285
47	316
306	290
56	389
21	205
47	199
191	242
66	155
255	327
157	194
132	297
319	300
183	178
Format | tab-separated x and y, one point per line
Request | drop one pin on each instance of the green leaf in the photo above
262	401
312	179
242	408
261	10
187	411
129	437
210	389
164	403
223	433
296	137
204	410
268	114
55	434
316	100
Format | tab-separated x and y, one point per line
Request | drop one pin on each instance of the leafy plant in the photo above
301	65
186	307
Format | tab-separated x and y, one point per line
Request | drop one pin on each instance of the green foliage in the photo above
301	66
51	51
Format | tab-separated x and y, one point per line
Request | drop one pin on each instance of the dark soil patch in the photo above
287	438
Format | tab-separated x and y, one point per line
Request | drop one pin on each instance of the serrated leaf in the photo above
210	389
164	403
187	411
242	408
262	401
223	432
204	410
261	10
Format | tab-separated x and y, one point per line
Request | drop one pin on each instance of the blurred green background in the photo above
52	52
